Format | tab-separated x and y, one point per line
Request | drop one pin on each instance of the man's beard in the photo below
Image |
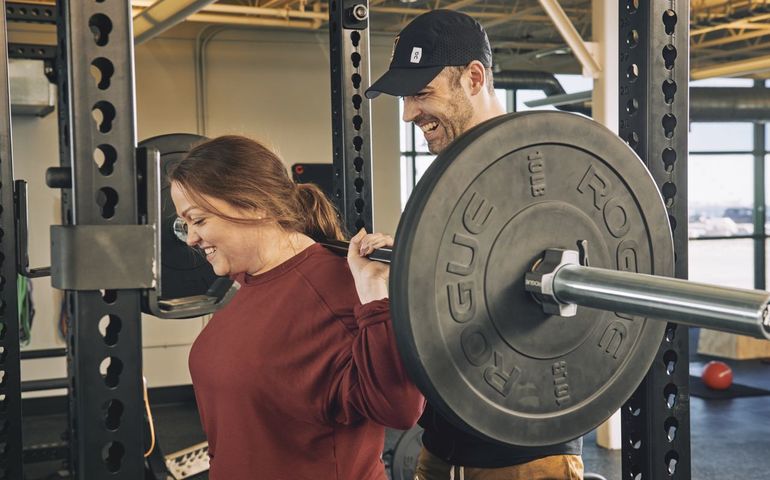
455	122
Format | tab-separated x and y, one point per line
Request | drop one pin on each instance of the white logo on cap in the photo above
416	55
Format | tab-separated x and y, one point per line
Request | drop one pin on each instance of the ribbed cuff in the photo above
372	312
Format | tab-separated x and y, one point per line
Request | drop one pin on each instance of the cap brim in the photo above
402	82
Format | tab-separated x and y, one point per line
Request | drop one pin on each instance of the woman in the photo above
298	375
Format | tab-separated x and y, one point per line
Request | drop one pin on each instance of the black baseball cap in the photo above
432	41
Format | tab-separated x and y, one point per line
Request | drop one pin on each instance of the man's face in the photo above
442	110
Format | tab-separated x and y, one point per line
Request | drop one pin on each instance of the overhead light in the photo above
553	51
162	15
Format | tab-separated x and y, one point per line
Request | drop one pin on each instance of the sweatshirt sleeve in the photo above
372	382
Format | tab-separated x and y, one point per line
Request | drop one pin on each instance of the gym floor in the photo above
729	438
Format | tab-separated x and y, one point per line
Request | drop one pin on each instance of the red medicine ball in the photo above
717	375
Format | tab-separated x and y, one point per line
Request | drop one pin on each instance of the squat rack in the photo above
104	375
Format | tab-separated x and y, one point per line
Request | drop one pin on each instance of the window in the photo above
724	189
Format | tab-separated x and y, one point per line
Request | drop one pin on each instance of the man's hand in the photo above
371	278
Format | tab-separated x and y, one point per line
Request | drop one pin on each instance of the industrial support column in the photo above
99	193
604	101
10	366
351	117
654	75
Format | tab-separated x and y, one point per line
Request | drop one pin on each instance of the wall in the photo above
271	85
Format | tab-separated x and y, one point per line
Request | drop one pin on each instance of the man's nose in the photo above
410	110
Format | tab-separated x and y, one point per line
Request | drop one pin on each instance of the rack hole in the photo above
113	411
669	158
101	27
105	156
671	425
634	441
669	393
668	190
669	124
357	101
109	327
669	20
102	70
632	72
633	139
669	55
672	458
633	409
112	456
107	199
632	106
669	360
103	114
632	39
669	89
109	296
111	368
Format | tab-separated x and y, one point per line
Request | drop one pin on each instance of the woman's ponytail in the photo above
321	218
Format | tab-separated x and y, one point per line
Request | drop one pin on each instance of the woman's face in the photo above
230	247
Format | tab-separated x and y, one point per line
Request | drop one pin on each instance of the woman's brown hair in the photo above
248	175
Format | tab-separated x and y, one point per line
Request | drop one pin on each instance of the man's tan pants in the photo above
556	467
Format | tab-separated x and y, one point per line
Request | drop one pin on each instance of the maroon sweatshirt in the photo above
295	379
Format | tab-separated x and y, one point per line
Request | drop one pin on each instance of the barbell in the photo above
530	279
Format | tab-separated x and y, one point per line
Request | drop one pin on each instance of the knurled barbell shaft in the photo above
733	310
341	247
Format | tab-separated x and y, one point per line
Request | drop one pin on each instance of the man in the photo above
441	66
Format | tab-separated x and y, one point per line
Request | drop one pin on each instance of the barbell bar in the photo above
561	284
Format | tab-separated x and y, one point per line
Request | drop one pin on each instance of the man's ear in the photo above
477	77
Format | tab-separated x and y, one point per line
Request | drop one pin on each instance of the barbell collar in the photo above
731	310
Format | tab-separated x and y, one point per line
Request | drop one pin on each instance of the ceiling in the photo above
523	35
727	37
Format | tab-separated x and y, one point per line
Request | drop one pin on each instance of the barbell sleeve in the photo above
732	310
